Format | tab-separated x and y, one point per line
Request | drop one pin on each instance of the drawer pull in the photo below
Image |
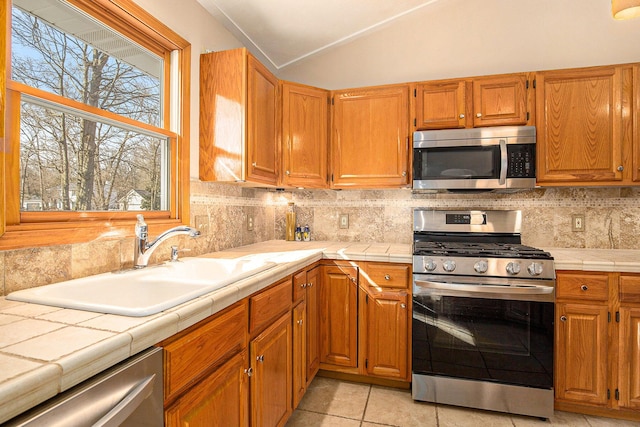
248	371
387	277
563	318
584	287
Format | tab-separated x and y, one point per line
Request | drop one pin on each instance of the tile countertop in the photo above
45	350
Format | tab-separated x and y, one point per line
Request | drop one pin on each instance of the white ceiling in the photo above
286	31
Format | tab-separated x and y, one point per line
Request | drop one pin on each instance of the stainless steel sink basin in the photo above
145	291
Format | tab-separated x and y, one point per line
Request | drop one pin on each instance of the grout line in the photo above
366	404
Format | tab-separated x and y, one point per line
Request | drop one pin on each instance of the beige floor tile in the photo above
302	418
453	416
333	397
564	419
610	422
396	407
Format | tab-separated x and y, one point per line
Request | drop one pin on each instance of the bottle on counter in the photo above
298	234
306	233
291	223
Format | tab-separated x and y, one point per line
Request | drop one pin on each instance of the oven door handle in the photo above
503	162
459	288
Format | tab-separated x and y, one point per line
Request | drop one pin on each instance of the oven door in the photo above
499	332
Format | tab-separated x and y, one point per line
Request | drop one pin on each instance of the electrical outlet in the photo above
249	223
344	221
577	222
201	222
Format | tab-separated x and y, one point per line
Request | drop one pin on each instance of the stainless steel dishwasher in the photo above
128	394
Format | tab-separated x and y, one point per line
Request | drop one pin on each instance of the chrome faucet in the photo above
144	249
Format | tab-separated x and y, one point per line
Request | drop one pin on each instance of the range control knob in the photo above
513	268
449	265
481	267
429	265
535	269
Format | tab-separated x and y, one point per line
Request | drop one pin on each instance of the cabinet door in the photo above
581	353
500	100
339	316
386	317
579	125
313	323
262	123
271	381
304	136
629	367
370	140
299	352
441	104
221	399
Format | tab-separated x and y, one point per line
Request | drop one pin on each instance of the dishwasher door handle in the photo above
128	404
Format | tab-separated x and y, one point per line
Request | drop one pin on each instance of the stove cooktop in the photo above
484	250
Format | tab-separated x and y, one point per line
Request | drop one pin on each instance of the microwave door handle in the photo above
503	162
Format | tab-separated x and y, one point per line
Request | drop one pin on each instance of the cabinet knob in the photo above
462	116
248	371
303	285
620	168
254	164
404	173
478	114
563	318
353	279
299	322
260	358
387	277
310	284
403	305
288	173
584	287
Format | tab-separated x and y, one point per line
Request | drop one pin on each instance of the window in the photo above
94	120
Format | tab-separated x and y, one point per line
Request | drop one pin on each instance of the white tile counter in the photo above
45	350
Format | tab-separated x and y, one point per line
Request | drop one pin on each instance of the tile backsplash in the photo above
220	211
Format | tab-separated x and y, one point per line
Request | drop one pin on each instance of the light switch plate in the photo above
577	222
344	221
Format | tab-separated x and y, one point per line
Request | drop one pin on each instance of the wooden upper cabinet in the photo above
239	119
585	126
370	137
442	104
498	100
501	100
304	136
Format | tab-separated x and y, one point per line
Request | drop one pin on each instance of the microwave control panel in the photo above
521	161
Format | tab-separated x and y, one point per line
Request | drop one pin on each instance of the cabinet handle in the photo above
303	285
310	284
254	164
288	173
620	168
462	116
387	277
563	318
353	279
299	322
478	114
403	305
404	173
584	287
260	358
248	371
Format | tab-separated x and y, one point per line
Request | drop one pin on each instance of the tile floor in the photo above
334	403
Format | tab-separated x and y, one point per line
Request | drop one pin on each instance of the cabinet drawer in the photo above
203	346
266	306
593	287
386	275
630	289
299	285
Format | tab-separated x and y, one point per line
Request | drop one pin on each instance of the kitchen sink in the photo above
146	291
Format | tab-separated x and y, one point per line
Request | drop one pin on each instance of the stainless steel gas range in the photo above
483	310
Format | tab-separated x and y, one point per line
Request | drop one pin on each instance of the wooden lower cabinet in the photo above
271	364
598	343
365	312
299	352
221	399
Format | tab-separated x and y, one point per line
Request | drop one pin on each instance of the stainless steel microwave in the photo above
490	158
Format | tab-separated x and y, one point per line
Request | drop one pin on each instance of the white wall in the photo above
457	38
192	22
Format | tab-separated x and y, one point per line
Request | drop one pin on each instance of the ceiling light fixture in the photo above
625	9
